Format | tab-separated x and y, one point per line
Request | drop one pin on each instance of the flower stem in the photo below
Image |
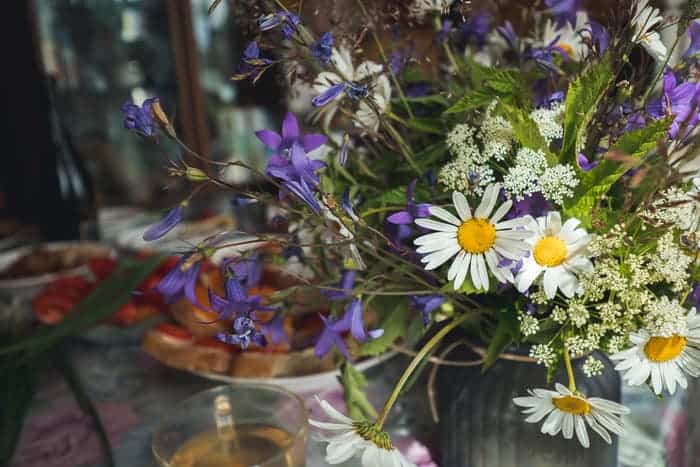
569	370
414	364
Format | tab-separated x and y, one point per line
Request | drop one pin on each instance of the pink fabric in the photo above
65	437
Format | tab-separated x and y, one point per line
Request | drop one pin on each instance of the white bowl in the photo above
26	288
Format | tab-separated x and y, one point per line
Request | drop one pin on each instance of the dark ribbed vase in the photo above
481	427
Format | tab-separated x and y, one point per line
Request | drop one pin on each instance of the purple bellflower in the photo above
402	221
679	100
158	230
544	56
476	28
534	204
252	65
508	34
323	48
343	289
584	164
563	11
140	119
694	47
288	20
244	333
598	35
297	174
282	143
426	304
444	32
248	271
354	90
274	329
181	280
352	321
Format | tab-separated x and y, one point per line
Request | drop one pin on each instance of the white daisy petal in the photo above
581	432
568	426
437	259
461	205
454	268
435	225
462	272
435	236
488	201
445	215
501	211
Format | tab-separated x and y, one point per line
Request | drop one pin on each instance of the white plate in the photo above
302	385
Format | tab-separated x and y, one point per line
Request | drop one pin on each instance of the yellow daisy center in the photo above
663	349
566	48
476	235
572	404
550	251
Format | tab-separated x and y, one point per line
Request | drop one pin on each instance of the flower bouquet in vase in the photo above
524	191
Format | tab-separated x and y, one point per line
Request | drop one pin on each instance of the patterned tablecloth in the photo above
132	391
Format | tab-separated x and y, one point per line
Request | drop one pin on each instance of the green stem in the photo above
414	364
569	370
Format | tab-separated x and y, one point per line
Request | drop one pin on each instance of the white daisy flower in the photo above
567	413
477	240
351	438
380	88
568	38
645	20
663	359
557	252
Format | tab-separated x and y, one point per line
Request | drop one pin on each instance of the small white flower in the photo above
567	413
477	240
465	176
549	122
380	89
558	182
663	359
351	438
529	325
543	354
592	367
557	252
645	20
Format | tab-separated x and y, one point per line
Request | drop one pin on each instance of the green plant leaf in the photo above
507	332
394	326
354	384
472	100
434	126
104	301
594	184
17	386
582	100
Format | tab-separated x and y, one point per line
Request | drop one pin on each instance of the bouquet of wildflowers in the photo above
538	187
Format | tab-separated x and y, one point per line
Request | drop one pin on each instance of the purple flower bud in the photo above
347	206
328	95
356	91
171	219
323	48
140	119
344	149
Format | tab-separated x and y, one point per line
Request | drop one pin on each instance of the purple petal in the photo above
269	138
328	95
422	210
251	50
410	189
303	192
290	127
347	206
584	164
400	218
357	325
171	219
344	149
376	333
347	281
313	141
190	283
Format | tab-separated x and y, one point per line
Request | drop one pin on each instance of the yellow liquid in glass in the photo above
250	445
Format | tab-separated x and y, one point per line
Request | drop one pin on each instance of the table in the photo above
132	391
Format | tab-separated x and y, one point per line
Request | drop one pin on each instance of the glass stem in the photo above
414	364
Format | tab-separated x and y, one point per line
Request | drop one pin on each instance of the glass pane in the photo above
103	53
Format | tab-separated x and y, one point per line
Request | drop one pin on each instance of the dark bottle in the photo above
67	194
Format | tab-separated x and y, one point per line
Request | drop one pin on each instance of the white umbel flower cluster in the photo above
666	317
592	367
549	122
531	174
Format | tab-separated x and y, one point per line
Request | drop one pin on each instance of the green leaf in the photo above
582	100
103	302
427	125
394	326
525	129
354	384
432	155
594	184
472	100
507	332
